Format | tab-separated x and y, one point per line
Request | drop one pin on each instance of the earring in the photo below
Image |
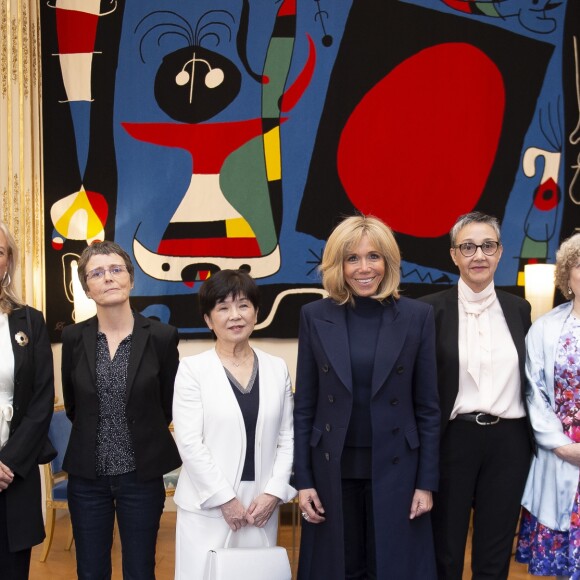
569	290
4	283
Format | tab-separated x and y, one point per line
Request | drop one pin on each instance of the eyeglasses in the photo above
99	273
469	249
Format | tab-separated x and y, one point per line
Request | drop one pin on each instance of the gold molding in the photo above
3	48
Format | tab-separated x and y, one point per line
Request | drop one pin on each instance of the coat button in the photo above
327	456
396	460
325	368
394	402
331	398
328	427
396	430
400	369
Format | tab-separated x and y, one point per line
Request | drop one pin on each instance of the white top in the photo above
498	389
6	379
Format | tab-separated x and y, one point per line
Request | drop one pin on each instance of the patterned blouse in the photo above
115	454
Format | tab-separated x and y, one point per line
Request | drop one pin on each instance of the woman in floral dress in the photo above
549	539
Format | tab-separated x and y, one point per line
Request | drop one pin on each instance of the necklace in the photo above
240	363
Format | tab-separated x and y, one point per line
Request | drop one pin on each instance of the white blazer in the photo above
552	483
211	436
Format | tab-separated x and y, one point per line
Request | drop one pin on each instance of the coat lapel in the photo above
90	344
16	324
514	323
138	344
331	328
390	340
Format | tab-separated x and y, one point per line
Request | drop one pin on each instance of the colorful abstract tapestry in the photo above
211	134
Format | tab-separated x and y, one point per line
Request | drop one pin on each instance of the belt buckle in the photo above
485	423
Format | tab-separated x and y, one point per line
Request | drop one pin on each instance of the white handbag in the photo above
260	563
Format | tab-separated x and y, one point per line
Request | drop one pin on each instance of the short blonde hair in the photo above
346	236
567	257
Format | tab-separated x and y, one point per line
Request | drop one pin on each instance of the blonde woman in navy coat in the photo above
366	416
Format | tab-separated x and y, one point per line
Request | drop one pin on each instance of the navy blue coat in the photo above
405	429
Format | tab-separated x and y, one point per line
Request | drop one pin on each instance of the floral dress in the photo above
551	552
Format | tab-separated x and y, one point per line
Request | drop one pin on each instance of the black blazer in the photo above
151	374
33	406
445	305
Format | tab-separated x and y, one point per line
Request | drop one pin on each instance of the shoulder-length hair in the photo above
343	239
567	257
9	299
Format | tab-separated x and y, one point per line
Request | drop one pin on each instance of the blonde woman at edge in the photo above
26	404
232	414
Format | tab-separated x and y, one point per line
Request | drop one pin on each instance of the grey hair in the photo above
470	218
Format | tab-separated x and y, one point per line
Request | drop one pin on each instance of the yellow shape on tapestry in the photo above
74	218
272	154
239	228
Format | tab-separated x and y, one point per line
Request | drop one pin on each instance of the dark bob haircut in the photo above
226	283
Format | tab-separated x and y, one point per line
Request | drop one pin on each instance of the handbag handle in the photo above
231	532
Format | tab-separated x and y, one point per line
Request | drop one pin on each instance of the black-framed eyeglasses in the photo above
469	249
99	273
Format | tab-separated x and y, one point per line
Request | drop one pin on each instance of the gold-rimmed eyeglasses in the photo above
469	249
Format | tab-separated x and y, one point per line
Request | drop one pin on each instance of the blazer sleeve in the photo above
278	484
305	401
426	404
68	391
27	440
169	367
547	427
188	420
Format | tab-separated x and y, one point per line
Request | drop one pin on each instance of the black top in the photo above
114	451
362	321
249	402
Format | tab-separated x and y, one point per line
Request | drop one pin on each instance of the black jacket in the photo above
33	406
151	374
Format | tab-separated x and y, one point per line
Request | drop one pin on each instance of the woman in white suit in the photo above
549	540
232	414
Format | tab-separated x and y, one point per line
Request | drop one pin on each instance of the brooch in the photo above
21	338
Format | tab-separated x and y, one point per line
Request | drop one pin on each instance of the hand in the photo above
234	513
310	506
6	476
421	504
569	453
261	509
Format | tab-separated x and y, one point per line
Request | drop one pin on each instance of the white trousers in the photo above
196	534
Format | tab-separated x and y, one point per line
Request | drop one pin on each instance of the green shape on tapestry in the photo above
244	184
276	69
534	249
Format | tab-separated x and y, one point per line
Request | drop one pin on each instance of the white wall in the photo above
285	348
